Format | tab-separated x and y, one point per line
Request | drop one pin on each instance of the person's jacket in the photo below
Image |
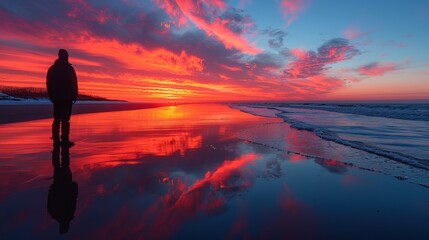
61	82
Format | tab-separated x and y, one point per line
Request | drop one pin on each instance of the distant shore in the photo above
20	113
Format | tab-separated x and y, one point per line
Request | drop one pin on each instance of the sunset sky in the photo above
219	50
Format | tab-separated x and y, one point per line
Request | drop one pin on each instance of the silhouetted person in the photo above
61	83
63	192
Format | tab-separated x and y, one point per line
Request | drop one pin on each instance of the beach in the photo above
19	112
207	171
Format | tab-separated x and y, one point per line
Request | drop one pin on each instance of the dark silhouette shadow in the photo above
62	87
62	197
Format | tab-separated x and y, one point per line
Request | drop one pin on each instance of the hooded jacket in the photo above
61	81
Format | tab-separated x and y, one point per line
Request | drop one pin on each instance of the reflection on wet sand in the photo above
173	172
205	196
186	156
154	132
332	165
63	192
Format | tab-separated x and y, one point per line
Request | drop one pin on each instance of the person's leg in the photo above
65	122
56	155
56	123
65	162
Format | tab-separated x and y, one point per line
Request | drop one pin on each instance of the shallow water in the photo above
397	135
181	172
394	137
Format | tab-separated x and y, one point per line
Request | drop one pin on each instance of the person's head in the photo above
63	54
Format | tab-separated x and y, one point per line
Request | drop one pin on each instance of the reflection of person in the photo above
61	83
62	197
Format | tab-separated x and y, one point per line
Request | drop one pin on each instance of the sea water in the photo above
398	132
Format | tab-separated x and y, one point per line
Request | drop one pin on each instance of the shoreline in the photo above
23	113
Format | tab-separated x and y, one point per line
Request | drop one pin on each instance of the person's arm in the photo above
74	86
49	79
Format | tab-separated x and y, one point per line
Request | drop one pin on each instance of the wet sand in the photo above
21	113
185	172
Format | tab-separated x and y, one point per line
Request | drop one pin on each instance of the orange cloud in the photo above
135	56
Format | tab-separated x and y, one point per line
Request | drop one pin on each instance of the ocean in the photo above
382	132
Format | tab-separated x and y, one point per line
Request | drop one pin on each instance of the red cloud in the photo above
215	19
137	58
377	69
291	8
310	63
172	9
299	53
307	76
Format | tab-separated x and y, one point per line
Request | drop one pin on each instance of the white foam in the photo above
400	111
258	111
371	134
